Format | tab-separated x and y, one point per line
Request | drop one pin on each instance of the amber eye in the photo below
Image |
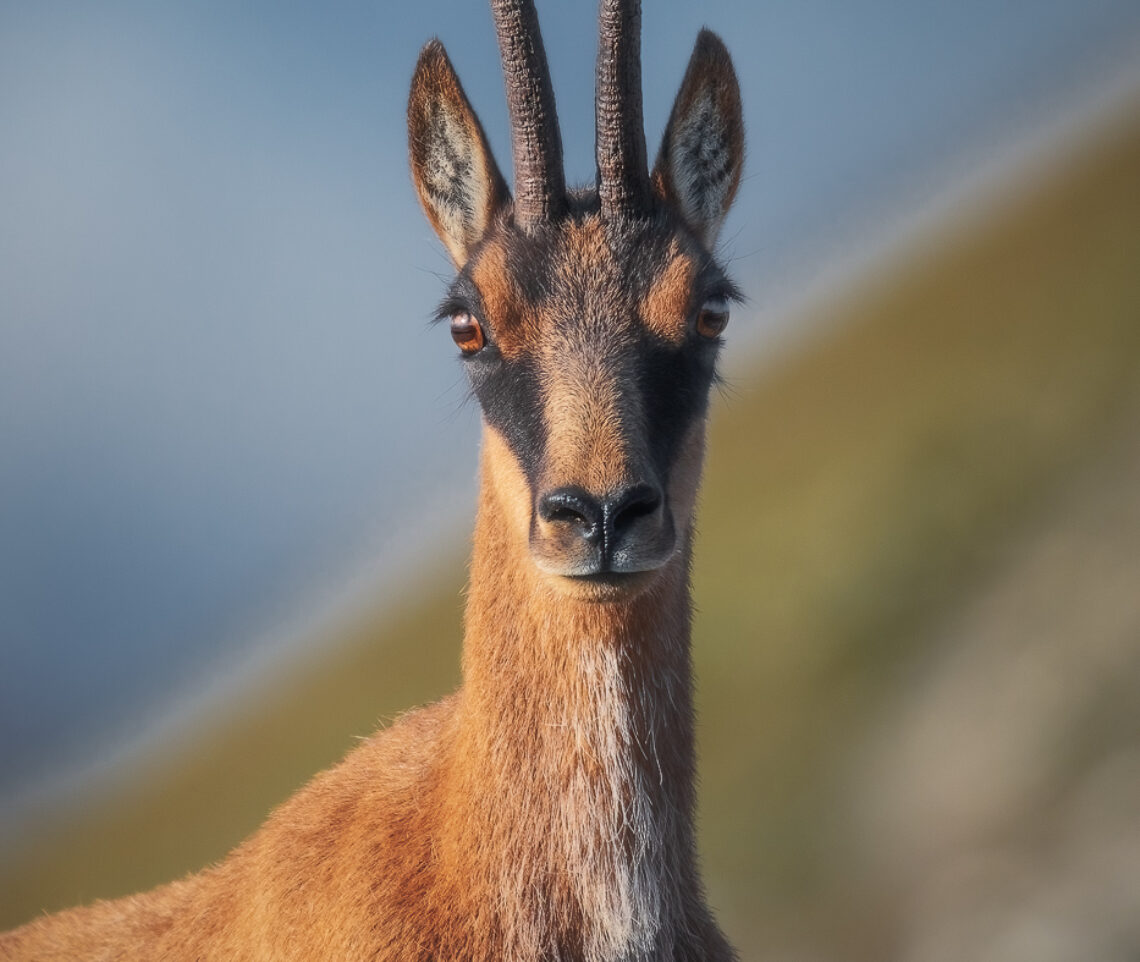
466	332
713	317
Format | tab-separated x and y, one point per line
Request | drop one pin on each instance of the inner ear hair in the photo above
455	174
702	152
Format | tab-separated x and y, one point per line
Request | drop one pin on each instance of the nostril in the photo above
571	506
565	513
639	501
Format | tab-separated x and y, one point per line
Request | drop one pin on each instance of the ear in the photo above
455	175
702	154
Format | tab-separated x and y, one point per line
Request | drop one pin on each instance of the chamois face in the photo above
598	353
590	339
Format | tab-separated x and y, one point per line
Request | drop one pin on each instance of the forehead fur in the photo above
586	275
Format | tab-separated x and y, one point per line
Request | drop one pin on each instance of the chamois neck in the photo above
577	753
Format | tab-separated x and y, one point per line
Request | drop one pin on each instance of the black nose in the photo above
599	520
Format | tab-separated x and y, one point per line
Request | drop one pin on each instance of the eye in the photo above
467	333
713	317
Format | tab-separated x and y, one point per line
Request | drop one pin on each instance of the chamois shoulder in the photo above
343	834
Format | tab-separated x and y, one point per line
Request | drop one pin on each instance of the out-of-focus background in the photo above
236	463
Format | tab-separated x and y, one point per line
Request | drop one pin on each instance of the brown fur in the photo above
503	299
584	402
667	305
543	811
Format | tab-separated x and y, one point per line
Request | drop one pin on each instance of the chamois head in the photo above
588	320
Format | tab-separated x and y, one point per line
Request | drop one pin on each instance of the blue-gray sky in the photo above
217	384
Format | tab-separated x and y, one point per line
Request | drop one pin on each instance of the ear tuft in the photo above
458	182
702	153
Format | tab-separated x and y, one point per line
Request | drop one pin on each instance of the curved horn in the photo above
623	175
540	187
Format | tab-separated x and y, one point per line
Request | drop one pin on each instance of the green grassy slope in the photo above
853	496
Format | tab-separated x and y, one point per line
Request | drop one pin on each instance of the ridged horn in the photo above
536	144
623	174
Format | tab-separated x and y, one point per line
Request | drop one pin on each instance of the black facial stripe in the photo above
511	397
675	383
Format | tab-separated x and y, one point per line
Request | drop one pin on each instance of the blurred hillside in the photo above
918	646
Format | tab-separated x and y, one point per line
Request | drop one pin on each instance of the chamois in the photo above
544	810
